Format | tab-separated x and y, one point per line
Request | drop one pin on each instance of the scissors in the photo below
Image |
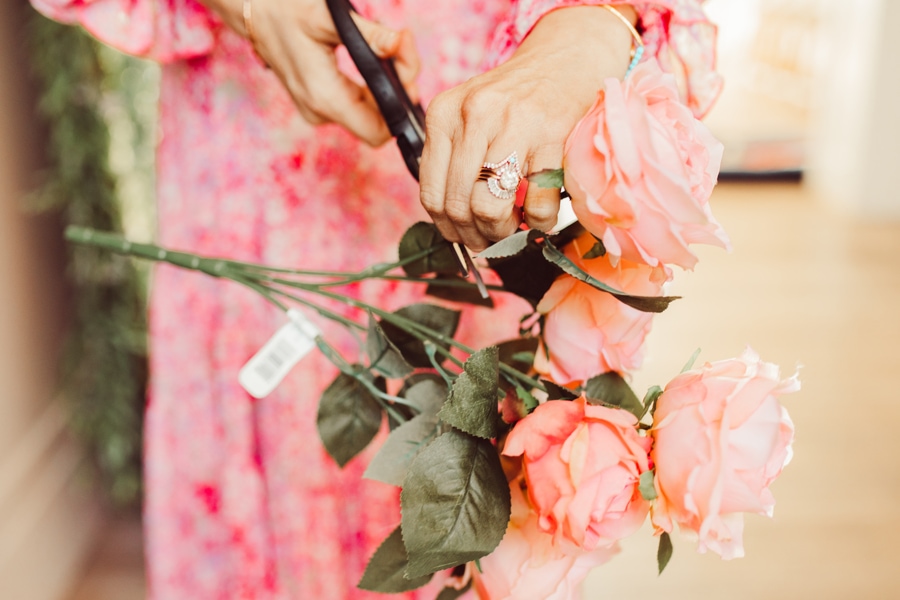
405	119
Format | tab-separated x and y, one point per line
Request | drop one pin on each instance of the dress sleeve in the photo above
676	32
163	30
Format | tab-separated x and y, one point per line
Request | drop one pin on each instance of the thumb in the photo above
385	42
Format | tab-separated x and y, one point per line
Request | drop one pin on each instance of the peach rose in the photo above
640	169
582	464
720	438
526	565
587	331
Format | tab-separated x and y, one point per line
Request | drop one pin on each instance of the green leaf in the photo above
557	392
408	383
385	570
609	389
423	236
690	363
526	274
646	487
393	459
349	418
517	353
442	320
650	399
664	552
525	358
548	178
472	405
384	356
528	400
466	292
455	503
596	251
653	304
510	246
449	593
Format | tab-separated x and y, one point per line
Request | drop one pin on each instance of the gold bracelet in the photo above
637	49
248	28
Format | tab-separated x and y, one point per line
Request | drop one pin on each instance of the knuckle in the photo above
488	212
481	102
431	199
440	113
457	209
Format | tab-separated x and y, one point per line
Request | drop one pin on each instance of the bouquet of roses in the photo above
522	464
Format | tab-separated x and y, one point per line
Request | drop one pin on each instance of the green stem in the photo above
321	310
412	326
441	282
373	272
217	267
225	268
261	290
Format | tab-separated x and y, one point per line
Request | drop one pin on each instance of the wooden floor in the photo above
802	287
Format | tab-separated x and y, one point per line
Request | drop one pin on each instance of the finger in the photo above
332	97
542	204
466	159
408	64
320	27
399	45
495	218
433	173
384	41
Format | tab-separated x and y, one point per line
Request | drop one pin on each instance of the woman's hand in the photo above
529	105
297	39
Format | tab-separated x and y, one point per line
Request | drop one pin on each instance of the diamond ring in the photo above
502	178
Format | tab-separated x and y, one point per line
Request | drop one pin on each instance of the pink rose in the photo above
526	565
587	331
720	438
640	169
582	464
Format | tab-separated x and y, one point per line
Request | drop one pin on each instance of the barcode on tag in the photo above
277	357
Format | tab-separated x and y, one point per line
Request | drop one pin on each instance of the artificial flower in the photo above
587	331
527	565
640	169
720	438
583	465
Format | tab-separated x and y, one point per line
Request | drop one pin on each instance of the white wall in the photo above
854	159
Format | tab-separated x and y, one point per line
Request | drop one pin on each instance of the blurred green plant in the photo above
97	106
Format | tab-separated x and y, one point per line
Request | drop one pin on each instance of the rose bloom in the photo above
720	438
588	331
527	566
582	464
640	169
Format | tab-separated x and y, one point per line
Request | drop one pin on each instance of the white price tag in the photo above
277	357
565	216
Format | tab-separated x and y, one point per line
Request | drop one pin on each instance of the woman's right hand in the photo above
297	39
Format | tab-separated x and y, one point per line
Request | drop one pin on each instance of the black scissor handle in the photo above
405	119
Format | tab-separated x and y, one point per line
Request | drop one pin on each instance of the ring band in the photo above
502	178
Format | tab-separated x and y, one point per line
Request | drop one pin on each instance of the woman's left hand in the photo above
528	105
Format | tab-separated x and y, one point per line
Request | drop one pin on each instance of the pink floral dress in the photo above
242	501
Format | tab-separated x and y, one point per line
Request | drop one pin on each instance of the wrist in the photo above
592	36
